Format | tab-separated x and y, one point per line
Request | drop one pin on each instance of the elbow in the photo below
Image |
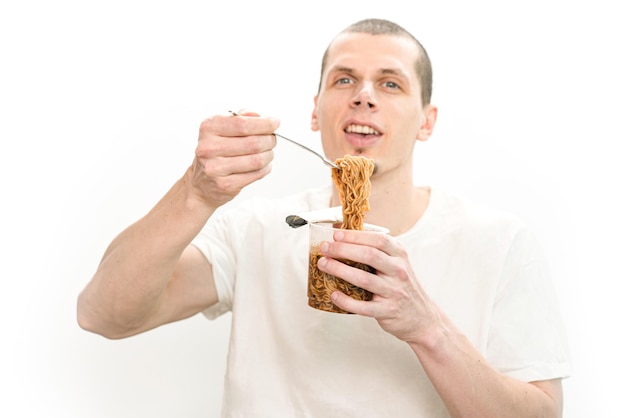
88	324
82	314
85	322
90	320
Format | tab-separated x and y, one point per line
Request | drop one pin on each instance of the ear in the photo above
428	124
314	124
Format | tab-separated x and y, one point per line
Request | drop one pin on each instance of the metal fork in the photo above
320	156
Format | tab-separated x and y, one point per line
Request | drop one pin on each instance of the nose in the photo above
365	97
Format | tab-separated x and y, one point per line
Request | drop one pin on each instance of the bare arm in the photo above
466	383
470	387
150	275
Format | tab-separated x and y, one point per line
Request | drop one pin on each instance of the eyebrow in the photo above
383	71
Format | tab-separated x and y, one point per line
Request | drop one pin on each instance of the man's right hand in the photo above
232	152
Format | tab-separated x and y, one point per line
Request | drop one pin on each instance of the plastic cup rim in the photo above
366	227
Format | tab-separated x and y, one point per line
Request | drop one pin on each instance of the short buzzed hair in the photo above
423	67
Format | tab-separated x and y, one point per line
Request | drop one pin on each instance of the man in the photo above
463	320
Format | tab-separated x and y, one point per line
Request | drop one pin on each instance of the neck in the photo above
395	203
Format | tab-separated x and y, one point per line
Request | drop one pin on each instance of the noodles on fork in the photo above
352	180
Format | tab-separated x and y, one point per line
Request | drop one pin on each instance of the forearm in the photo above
139	263
470	387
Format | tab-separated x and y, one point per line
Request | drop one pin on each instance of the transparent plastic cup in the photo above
321	285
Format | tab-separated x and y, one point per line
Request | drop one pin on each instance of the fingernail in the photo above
324	247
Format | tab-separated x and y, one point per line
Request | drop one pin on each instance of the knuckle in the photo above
366	281
225	184
240	125
260	160
372	256
207	124
402	274
261	143
205	150
211	170
384	241
256	162
253	145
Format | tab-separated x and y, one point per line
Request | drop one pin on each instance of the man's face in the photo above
370	100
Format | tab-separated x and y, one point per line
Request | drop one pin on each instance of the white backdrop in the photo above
100	103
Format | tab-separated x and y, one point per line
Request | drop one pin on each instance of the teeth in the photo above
361	129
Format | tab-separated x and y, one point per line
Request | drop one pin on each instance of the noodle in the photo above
322	285
352	180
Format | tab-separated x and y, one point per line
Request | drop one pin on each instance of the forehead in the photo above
362	52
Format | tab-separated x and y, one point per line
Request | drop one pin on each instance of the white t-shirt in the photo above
286	359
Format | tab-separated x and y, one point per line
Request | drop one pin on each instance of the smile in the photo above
361	129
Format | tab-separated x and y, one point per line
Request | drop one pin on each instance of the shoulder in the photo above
454	214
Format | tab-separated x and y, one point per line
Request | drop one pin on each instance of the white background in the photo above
100	103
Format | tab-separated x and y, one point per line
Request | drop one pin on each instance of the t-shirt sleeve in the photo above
215	242
527	337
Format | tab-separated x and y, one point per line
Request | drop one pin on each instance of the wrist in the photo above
207	192
431	340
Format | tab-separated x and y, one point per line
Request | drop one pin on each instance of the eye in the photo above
391	85
344	80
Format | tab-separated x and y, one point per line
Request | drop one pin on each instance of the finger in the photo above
237	181
250	123
246	112
383	242
349	304
362	275
364	254
238	164
221	184
218	146
244	125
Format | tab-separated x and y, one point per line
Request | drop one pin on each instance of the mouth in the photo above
361	129
361	136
